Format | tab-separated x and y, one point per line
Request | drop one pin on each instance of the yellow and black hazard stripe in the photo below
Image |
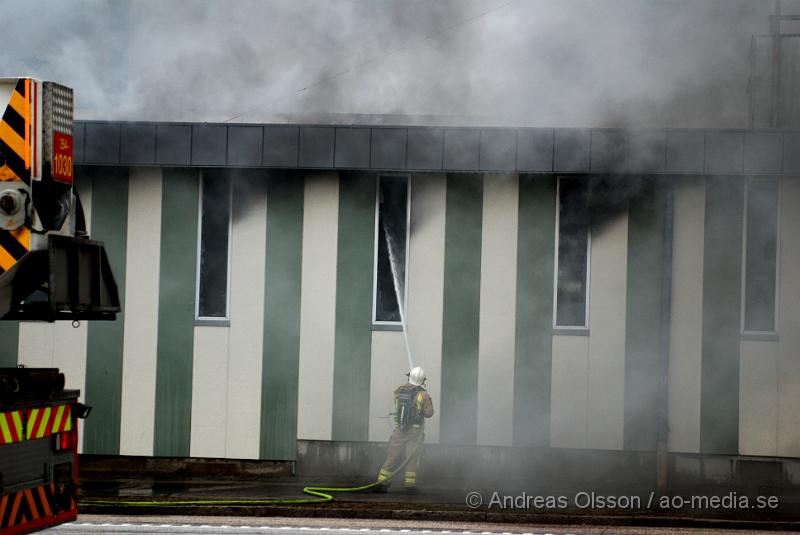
32	506
13	245
15	134
15	165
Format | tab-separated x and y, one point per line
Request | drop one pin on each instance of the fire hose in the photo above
321	494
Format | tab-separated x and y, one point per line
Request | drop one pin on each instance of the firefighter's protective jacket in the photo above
422	403
409	441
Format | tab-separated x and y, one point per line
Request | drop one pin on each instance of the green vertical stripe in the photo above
644	365
353	338
722	277
282	316
534	327
461	307
9	334
104	338
176	304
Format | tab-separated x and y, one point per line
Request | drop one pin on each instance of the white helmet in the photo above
416	376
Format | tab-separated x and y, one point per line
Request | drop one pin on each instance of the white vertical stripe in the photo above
71	360
568	394
57	345
605	403
139	344
85	190
318	306
686	320
758	398
36	344
497	310
243	410
426	284
389	366
209	391
789	319
70	353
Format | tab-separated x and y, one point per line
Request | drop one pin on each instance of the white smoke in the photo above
678	63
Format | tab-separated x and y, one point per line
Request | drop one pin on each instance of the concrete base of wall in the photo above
449	473
553	471
123	466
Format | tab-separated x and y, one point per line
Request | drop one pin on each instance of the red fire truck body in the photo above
38	449
49	271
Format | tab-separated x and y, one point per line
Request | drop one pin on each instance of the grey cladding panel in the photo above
763	152
647	151
173	144
791	153
102	143
685	152
724	152
530	150
79	132
388	148
461	149
498	150
209	144
280	146
316	146
535	150
609	151
352	147
425	148
572	151
244	145
138	144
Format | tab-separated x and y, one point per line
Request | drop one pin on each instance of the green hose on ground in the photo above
321	493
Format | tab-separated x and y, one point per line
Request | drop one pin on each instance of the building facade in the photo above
563	288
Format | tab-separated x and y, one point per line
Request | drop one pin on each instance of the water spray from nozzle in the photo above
391	247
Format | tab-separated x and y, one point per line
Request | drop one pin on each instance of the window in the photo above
213	255
391	247
572	255
760	257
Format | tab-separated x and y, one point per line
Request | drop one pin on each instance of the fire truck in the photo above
49	271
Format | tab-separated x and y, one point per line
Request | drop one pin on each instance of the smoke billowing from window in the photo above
560	63
681	63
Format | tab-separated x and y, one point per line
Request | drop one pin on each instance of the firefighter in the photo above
412	404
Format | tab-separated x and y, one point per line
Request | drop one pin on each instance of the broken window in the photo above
572	254
760	257
391	247
214	248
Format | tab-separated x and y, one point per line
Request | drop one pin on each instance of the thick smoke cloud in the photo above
678	63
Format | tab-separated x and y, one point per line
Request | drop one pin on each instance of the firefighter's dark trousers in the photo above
401	444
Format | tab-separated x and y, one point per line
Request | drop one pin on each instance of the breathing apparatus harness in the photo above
407	414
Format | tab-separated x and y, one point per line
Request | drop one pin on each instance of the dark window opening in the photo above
391	247
215	206
573	253
761	258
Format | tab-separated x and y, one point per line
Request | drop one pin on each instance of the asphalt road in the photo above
96	524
